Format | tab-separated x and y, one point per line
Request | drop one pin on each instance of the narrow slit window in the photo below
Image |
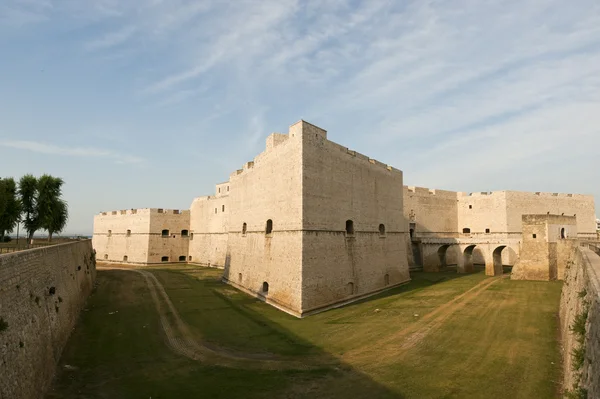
269	228
349	227
244	229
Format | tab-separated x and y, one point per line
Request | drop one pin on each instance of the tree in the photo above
28	195
10	207
51	208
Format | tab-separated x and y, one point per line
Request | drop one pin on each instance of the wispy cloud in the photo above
44	148
111	39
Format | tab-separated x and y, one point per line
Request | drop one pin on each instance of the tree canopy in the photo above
37	202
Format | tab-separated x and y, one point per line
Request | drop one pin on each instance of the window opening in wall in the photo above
412	227
562	233
128	233
125	258
215	210
349	227
191	236
164	259
165	233
184	233
386	279
182	258
535	236
160	210
105	256
109	233
269	228
466	230
223	208
240	277
190	258
244	229
219	189
350	288
227	188
382	230
487	230
470	206
265	288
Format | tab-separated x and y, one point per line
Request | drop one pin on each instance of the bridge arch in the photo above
503	255
467	259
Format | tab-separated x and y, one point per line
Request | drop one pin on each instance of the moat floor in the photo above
181	333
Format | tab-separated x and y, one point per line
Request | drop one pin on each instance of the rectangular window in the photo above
535	236
223	208
487	230
470	206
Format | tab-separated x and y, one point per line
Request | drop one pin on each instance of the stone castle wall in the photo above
136	235
209	229
547	243
341	185
581	299
42	292
269	188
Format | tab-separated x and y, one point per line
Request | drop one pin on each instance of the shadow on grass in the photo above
119	351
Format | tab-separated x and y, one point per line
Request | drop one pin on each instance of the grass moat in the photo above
179	332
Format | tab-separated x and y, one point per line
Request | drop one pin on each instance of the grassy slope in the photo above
499	343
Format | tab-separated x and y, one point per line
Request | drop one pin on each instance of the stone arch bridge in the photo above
436	254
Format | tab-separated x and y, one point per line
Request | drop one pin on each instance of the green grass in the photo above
500	341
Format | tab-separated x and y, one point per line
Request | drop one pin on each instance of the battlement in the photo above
423	191
144	211
362	157
301	128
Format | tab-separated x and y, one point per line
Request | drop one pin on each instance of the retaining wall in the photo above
581	299
42	292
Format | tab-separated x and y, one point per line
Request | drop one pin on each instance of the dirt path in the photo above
182	341
396	345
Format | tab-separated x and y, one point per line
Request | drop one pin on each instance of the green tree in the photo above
51	208
28	196
10	207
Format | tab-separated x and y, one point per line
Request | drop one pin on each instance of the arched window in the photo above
109	233
466	230
182	258
350	288
190	258
269	228
125	258
164	259
184	233
128	233
382	229
105	256
244	229
562	233
265	288
240	277
165	233
349	227
412	233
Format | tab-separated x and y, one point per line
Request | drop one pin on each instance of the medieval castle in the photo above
310	224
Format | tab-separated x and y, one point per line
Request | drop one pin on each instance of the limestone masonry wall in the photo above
339	186
42	292
270	188
580	323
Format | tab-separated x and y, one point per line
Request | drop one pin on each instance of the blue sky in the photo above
149	103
